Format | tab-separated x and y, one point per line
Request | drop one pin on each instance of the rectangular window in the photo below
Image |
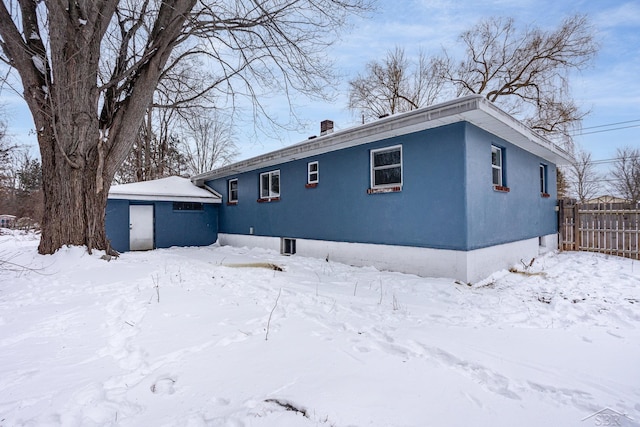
188	206
386	167
287	246
313	173
233	191
496	165
270	185
543	179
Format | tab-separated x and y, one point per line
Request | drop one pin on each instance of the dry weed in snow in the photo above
175	337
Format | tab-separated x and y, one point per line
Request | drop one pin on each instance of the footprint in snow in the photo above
163	385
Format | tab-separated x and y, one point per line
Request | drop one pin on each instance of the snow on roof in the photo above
173	188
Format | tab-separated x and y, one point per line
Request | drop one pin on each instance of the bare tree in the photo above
395	85
20	192
89	70
625	174
209	142
562	186
7	150
526	72
157	151
584	179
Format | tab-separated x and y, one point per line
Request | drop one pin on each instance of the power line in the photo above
606	130
612	124
603	161
581	131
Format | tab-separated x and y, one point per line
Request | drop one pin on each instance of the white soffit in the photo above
474	109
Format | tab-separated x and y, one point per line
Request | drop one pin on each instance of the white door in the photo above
140	227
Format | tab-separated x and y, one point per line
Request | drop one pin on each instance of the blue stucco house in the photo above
460	189
161	213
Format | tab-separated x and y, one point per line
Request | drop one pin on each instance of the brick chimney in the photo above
326	126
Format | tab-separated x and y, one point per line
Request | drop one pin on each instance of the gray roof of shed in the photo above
475	109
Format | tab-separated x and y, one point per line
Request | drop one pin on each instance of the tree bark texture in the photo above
89	70
75	208
81	143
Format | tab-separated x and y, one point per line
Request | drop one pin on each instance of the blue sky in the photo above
609	89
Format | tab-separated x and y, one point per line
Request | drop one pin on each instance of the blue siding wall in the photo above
498	217
185	228
117	224
447	200
428	212
171	228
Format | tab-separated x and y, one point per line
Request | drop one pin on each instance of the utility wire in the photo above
606	130
611	124
603	161
608	125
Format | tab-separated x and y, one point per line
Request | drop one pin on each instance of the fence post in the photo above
562	224
576	227
560	219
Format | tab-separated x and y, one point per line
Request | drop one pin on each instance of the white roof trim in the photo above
160	198
475	109
171	189
211	190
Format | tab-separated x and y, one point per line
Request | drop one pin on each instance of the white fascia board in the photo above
163	198
475	109
212	191
508	128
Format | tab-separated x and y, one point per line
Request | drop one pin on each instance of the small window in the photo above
313	173
270	185
232	195
188	206
496	165
287	246
543	179
386	167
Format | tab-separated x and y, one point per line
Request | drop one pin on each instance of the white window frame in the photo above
543	178
270	193
374	168
499	168
287	246
230	191
310	172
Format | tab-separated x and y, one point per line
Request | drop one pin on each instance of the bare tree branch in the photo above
90	69
527	72
395	85
626	174
584	179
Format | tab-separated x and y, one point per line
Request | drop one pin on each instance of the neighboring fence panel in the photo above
607	228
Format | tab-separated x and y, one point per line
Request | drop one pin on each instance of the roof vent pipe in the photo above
326	126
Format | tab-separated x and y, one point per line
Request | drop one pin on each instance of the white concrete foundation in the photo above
468	266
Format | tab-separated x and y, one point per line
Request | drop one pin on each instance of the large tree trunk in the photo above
74	206
82	147
89	70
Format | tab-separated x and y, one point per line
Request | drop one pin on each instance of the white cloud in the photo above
621	15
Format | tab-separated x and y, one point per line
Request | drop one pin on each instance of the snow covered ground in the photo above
187	337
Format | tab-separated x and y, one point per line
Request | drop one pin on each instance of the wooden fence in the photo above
611	228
